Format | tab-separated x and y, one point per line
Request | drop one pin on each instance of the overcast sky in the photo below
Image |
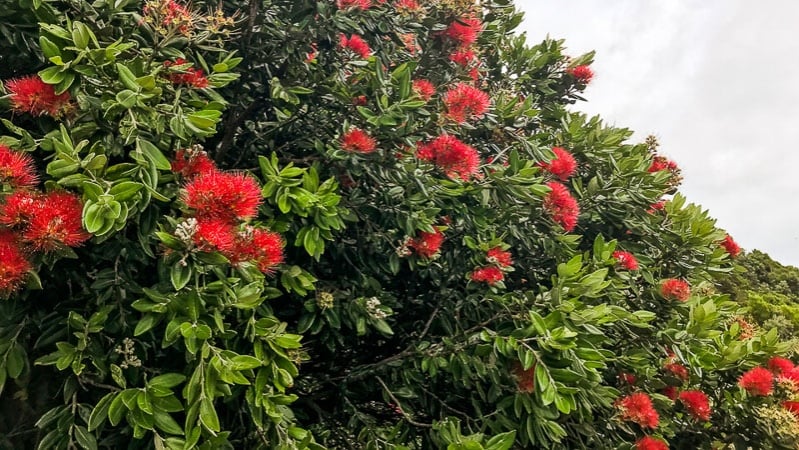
717	81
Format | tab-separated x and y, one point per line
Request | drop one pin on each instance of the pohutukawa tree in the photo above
350	224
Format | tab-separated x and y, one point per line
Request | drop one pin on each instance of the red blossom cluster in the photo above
626	260
222	202
463	57
582	73
464	31
561	206
662	163
358	141
758	381
677	370
427	244
359	4
168	15
499	260
563	165
356	44
465	102
424	89
731	246
779	365
32	95
657	206
191	162
651	443
696	403
32	221
638	408
188	76
674	289
456	159
627	378
525	379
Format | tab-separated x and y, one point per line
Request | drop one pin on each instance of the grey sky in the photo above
717	81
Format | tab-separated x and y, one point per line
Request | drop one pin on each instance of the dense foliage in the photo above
349	224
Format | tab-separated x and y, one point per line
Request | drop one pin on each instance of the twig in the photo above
399	406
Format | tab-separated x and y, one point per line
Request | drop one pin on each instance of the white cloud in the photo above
716	81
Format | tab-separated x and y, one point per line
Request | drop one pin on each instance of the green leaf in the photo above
208	415
180	275
153	154
146	323
84	438
100	411
167	380
502	441
15	361
166	423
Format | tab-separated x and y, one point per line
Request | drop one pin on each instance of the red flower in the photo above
358	141
780	365
190	162
356	44
19	207
677	369
15	267
792	376
525	379
359	100
670	392
465	102
560	204
462	57
498	256
650	443
696	403
263	247
223	195
464	31
674	289
360	4
627	378
661	163
638	408
311	56
16	168
490	275
427	244
56	222
758	381
626	260
731	246
454	157
424	89
582	73
188	76
791	406
562	165
407	6
657	206
32	95
215	234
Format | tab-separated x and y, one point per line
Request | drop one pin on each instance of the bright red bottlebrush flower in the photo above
562	165
583	74
56	223
500	257
215	235
192	162
626	260
465	102
670	392
16	168
188	76
490	275
454	157
427	244
627	378
791	377
14	267
758	381
638	408
223	195
662	163
779	365
19	207
731	246
263	247
657	206
792	406
407	6
360	4
677	370
356	44
464	31
650	443
168	15
463	57
560	204
32	95
358	141
674	289
525	379
424	89
696	403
